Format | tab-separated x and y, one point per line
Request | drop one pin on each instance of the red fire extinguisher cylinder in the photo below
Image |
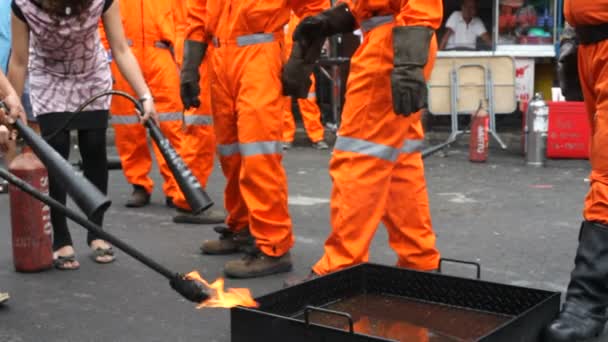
30	219
478	143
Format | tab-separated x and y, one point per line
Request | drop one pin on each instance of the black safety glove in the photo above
411	48
308	38
338	19
296	72
194	52
567	65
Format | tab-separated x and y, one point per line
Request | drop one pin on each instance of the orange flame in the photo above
220	298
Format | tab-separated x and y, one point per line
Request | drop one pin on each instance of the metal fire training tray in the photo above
371	302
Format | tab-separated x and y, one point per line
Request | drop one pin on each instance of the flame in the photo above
220	298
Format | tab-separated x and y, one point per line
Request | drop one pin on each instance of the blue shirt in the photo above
5	33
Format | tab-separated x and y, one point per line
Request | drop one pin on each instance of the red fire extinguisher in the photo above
478	143
30	218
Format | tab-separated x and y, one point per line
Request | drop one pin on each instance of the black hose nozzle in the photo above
190	289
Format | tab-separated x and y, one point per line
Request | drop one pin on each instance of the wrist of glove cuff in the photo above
567	71
411	45
338	19
194	53
296	72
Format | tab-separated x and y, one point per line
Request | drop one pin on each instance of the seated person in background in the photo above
463	28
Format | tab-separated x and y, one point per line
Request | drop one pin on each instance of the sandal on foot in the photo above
99	253
4	297
61	261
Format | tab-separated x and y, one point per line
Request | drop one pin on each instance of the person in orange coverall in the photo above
376	167
311	114
583	314
245	76
150	29
198	141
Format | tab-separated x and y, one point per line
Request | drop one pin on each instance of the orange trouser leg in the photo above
172	130
252	76
408	216
132	147
289	124
365	156
225	126
593	68
311	114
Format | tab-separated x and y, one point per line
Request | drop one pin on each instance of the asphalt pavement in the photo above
520	223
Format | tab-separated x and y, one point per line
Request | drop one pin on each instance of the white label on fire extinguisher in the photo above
47	226
480	139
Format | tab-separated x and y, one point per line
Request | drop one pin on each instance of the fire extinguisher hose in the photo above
187	288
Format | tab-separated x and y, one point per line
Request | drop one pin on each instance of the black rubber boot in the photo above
583	315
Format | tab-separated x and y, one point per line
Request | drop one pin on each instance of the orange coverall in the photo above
245	76
198	146
376	167
311	115
150	30
593	74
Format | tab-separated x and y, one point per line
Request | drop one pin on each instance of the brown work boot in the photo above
257	264
209	216
139	197
228	243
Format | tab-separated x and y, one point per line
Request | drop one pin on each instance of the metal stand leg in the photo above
455	130
334	65
490	91
336	94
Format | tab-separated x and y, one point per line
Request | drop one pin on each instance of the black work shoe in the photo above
584	313
169	202
257	264
296	281
209	216
229	241
139	197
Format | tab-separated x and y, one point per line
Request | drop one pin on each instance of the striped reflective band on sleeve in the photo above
412	145
262	147
124	119
175	116
133	119
373	22
365	147
228	149
199	120
312	95
250	149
